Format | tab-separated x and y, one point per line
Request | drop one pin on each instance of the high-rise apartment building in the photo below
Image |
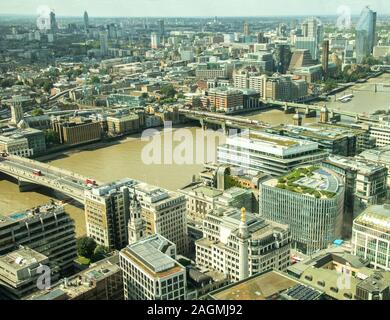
365	34
151	272
325	57
311	201
47	229
155	40
103	42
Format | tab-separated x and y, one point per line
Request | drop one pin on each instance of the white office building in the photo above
371	236
268	244
150	271
268	153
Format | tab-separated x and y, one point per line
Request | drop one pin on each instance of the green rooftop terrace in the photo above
311	181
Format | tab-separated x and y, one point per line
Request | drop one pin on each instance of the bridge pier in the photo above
25	186
287	109
309	113
333	117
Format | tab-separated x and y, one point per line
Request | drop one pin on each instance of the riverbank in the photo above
69	150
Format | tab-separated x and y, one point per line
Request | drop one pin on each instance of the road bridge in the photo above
33	173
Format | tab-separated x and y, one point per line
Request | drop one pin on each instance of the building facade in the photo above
150	271
371	236
311	201
47	229
268	244
268	153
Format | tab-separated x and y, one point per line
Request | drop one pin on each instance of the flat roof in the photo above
265	286
22	258
376	216
313	180
273	144
149	254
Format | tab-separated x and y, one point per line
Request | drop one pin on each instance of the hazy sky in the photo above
192	7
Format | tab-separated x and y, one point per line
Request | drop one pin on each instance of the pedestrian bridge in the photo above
25	171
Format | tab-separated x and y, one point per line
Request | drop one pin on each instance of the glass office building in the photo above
310	200
365	34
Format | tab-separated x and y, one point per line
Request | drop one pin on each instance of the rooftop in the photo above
30	213
316	131
82	281
315	181
265	286
359	164
150	255
22	258
376	216
271	143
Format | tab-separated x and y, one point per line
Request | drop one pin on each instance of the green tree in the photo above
86	247
37	112
168	91
47	86
95	80
371	61
99	253
52	137
330	84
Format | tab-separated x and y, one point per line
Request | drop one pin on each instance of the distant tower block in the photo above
325	58
297	119
16	112
243	238
324	115
246	29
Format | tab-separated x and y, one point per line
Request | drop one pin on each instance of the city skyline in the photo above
202	8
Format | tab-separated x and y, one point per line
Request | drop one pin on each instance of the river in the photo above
124	159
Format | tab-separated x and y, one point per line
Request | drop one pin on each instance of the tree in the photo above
37	112
371	61
52	137
330	84
47	86
95	80
86	247
168	91
99	253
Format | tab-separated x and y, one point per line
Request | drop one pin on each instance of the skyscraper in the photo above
155	40
325	57
312	36
365	34
53	21
246	29
161	29
104	43
86	20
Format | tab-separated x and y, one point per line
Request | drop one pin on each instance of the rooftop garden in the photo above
288	182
